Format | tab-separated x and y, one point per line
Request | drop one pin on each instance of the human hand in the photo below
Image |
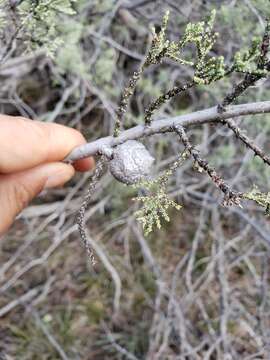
30	161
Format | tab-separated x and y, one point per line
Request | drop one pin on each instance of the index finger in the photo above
26	143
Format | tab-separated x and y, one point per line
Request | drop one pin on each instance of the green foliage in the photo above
206	68
3	20
201	34
160	44
104	66
246	60
155	207
262	199
156	202
41	22
69	56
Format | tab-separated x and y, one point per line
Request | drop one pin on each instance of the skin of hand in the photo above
31	154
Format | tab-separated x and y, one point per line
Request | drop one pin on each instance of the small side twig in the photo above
242	86
262	61
246	140
81	214
176	90
230	197
127	93
251	78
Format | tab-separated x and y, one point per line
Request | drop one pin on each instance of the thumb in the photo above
17	190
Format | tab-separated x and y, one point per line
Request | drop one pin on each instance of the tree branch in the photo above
81	214
230	197
104	145
247	141
250	78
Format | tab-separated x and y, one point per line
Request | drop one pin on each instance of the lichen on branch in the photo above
262	199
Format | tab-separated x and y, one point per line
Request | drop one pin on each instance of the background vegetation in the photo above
196	289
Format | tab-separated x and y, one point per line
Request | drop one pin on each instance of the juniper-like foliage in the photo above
207	68
156	202
262	199
38	22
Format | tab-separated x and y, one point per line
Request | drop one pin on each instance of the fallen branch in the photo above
212	115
